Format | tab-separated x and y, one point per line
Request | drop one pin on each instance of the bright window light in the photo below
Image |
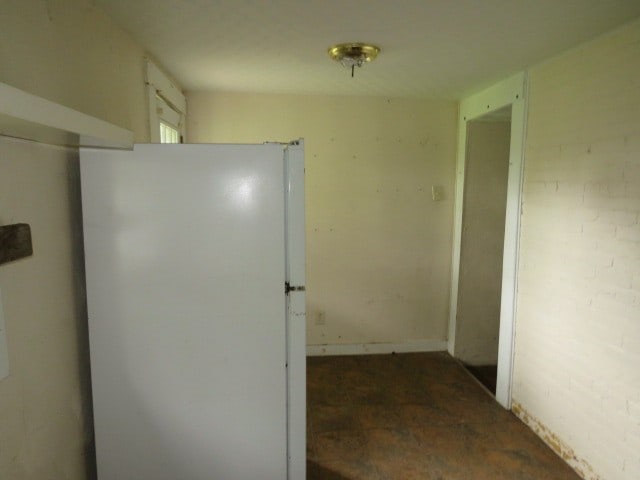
168	134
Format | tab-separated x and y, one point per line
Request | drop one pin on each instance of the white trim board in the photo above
165	87
511	91
376	348
27	116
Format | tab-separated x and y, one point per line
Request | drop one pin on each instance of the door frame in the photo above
509	92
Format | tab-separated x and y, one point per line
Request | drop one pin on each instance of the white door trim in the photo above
511	91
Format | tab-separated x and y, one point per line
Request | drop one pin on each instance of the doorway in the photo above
470	262
481	248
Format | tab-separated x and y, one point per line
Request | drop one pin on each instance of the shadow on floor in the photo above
486	374
318	472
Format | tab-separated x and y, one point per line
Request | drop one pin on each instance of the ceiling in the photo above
430	48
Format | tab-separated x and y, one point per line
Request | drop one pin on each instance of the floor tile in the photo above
415	416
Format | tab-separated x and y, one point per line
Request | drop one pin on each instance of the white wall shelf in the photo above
27	116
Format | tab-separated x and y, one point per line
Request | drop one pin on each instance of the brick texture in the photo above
577	353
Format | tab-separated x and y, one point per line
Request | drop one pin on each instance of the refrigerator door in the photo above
185	265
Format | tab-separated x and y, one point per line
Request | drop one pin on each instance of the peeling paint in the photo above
564	451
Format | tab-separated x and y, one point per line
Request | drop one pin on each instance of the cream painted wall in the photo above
69	52
378	246
45	425
480	280
577	350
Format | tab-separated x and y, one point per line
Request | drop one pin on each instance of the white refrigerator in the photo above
194	259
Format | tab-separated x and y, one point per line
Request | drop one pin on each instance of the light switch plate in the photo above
4	354
436	193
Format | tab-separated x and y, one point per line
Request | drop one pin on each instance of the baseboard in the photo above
564	451
376	348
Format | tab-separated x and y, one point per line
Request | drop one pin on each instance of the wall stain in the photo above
49	8
564	451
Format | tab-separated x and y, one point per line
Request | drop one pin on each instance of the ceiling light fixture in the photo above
352	55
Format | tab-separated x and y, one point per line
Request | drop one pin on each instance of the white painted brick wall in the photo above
577	352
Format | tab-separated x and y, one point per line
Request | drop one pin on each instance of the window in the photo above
167	107
168	123
168	134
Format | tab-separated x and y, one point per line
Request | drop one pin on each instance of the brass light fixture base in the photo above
354	54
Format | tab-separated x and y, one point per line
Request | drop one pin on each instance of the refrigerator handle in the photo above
292	288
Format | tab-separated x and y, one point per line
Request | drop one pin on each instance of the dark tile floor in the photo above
415	416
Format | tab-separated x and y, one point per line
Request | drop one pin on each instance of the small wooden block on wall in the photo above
15	242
